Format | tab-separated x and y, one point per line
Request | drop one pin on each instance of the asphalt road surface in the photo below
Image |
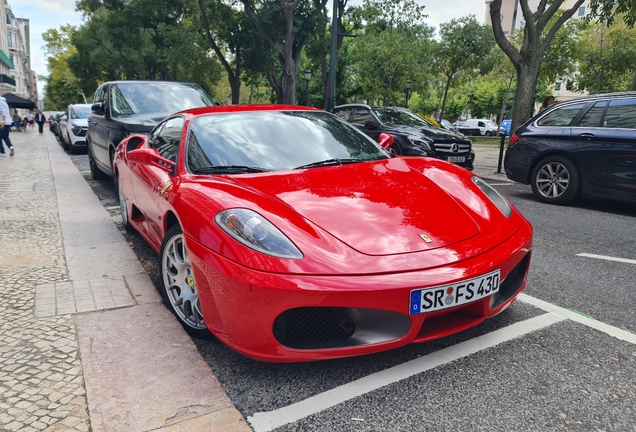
562	357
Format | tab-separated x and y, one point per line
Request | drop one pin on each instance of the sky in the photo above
46	14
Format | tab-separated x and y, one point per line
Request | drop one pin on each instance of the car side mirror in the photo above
386	140
370	124
98	108
149	156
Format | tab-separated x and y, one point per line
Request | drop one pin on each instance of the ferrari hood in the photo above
377	208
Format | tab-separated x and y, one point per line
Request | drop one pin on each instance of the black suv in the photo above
121	108
413	136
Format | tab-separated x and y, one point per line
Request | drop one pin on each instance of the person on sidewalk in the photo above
5	127
40	120
30	119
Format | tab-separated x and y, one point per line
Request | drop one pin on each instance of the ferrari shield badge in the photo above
426	238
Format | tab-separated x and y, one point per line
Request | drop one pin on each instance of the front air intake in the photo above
336	327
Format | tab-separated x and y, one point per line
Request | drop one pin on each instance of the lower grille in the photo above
511	284
338	327
312	324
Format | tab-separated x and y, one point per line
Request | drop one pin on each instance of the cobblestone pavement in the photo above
41	382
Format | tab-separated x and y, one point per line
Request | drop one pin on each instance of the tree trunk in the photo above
527	77
633	87
290	68
441	112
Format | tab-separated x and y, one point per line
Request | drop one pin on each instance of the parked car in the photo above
483	127
582	147
60	126
413	135
506	125
461	127
53	119
121	108
445	124
292	236
73	130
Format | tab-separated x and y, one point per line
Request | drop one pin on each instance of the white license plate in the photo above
456	158
455	294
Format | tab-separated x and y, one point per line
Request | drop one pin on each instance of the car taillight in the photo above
513	140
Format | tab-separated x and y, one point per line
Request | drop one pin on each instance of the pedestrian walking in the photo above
40	120
5	127
30	119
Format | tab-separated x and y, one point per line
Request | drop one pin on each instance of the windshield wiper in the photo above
329	162
229	169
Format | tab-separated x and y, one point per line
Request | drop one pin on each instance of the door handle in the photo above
586	136
94	122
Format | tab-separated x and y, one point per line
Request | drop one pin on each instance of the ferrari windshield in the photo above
397	117
276	140
156	97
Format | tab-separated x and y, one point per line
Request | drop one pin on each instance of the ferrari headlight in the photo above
419	142
502	204
256	232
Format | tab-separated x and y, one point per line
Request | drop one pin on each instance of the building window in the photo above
11	58
582	11
557	86
9	40
8	19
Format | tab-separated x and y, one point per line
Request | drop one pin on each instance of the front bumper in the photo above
252	311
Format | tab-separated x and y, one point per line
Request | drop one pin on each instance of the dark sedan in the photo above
413	136
582	147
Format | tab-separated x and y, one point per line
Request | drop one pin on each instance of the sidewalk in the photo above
485	165
85	342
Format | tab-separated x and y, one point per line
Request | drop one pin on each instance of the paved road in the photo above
562	358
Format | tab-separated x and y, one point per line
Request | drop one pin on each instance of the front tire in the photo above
123	206
178	287
556	180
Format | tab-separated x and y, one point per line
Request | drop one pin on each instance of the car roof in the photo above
601	96
215	109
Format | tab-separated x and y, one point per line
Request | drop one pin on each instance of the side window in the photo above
562	116
99	94
481	124
167	138
344	113
621	114
592	118
361	116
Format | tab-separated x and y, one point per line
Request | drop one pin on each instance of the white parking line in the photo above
581	319
608	258
267	421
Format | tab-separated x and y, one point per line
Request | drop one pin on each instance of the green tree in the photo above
608	57
285	27
394	48
61	88
142	39
538	34
463	45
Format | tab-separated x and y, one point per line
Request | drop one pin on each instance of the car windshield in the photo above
156	97
491	123
276	140
80	112
395	117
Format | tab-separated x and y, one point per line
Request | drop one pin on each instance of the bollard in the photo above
501	151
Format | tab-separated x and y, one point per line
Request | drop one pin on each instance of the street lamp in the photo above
307	78
409	83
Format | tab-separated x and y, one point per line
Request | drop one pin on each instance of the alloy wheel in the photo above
122	203
552	180
179	283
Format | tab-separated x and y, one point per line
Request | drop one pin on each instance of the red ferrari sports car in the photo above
292	236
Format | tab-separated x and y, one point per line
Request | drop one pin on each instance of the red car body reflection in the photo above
363	230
